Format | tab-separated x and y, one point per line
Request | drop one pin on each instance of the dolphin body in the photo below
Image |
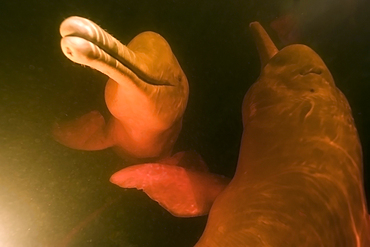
299	175
146	93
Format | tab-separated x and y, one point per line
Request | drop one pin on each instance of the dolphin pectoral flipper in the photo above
88	132
183	189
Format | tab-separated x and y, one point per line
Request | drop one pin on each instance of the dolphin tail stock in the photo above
181	184
87	132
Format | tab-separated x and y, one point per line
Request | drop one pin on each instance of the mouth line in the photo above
119	61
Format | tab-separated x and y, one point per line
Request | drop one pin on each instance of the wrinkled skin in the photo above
299	175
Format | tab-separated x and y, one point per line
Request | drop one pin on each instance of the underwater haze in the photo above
51	195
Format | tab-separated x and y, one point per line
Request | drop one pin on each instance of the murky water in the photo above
51	195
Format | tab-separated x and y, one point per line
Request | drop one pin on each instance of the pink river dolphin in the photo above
299	179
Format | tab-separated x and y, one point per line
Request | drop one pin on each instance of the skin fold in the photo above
299	175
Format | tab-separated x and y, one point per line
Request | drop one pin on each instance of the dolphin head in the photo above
292	74
145	72
298	180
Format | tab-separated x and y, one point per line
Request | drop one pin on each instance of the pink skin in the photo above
146	94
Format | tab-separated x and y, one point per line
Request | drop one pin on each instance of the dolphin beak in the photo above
266	48
146	70
86	43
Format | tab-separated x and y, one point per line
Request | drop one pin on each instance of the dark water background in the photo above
46	190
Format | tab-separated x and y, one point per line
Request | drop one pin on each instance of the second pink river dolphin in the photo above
299	178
